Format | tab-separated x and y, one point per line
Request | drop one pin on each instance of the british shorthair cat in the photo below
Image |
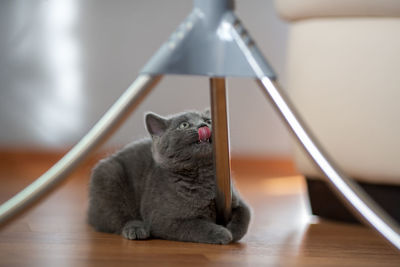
164	186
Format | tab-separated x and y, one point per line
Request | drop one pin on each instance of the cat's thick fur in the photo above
164	186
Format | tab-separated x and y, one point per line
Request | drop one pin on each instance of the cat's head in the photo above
176	142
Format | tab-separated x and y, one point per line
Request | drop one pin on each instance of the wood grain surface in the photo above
54	232
220	138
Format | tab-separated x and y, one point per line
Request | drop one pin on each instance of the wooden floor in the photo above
54	232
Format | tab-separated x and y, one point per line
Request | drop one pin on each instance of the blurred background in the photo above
63	63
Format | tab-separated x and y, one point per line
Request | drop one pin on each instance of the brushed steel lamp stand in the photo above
212	42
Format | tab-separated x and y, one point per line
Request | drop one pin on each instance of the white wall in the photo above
62	63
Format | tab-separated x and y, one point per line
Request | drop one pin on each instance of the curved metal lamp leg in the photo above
349	191
110	121
256	66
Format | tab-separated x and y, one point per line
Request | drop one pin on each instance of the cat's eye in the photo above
208	121
184	125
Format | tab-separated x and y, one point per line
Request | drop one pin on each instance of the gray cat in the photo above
164	186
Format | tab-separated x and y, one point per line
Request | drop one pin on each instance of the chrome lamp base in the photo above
212	42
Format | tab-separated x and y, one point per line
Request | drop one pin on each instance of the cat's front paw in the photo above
135	230
239	222
221	235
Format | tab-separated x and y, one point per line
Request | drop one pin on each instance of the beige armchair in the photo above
343	70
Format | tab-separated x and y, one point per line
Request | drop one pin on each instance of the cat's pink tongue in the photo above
204	133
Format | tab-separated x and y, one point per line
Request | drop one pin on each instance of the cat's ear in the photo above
207	112
155	124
